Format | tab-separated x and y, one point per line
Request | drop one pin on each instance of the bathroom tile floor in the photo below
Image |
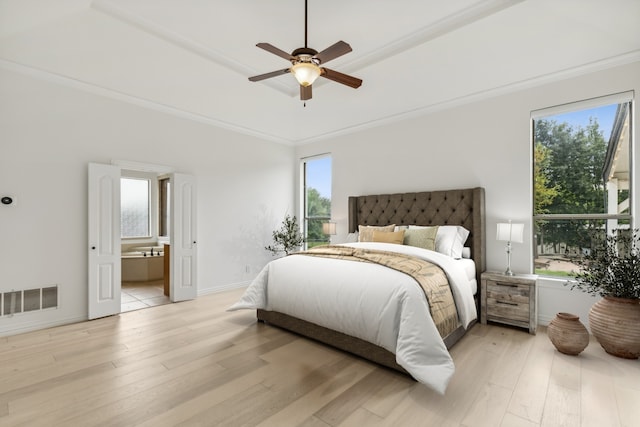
137	295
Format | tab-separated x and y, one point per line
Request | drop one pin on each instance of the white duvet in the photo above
368	301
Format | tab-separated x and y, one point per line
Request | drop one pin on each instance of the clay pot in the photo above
615	322
568	334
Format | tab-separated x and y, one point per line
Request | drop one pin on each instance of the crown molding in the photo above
109	8
615	61
611	62
134	100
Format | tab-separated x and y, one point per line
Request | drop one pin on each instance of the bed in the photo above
460	207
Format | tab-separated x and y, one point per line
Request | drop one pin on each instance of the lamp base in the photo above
509	273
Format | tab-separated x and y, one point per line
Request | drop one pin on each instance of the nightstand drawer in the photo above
497	309
508	292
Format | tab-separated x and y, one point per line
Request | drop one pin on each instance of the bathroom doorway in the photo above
144	231
107	243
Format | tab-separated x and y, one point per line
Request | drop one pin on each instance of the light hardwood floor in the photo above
192	363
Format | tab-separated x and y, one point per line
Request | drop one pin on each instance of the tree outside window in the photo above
317	199
581	182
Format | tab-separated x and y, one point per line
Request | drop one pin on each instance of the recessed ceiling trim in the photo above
619	60
615	61
446	25
108	8
141	102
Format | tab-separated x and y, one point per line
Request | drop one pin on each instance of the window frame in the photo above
304	223
610	219
152	179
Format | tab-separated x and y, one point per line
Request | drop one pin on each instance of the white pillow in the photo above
450	239
351	238
466	252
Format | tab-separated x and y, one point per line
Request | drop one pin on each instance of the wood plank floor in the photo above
194	364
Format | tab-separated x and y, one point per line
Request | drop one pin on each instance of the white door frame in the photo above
104	293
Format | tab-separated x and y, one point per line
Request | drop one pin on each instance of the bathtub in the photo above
136	267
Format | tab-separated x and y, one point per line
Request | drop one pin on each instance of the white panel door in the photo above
104	240
183	238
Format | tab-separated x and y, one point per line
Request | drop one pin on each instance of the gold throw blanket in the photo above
429	276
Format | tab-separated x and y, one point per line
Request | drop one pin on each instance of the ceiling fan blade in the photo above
305	93
333	51
269	75
271	48
345	79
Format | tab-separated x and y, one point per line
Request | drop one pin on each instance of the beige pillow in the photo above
365	232
421	237
396	237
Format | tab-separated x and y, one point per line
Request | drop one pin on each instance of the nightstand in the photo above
511	300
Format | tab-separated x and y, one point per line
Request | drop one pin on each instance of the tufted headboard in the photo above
449	207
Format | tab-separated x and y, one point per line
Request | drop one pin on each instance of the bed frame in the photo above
463	207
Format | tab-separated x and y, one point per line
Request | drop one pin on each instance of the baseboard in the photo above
223	288
8	330
35	326
544	320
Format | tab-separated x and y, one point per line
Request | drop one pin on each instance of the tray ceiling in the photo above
192	58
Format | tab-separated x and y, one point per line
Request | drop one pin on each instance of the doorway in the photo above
143	203
106	238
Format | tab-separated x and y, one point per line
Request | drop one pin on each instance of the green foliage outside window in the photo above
568	180
318	212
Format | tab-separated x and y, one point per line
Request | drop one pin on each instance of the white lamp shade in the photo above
306	73
510	232
329	228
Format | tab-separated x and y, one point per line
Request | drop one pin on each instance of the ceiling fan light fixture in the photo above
306	73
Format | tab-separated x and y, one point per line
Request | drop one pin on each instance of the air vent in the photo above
28	300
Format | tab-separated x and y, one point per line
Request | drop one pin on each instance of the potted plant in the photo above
611	269
287	238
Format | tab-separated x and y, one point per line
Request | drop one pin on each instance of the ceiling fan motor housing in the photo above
304	54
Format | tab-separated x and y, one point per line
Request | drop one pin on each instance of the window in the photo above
316	172
135	207
581	178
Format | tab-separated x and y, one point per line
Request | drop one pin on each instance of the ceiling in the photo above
192	58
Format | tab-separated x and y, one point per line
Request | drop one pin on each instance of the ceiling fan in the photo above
305	64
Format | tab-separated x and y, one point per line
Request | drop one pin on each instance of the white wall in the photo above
486	144
49	132
48	135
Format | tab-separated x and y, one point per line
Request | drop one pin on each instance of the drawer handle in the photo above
511	285
507	303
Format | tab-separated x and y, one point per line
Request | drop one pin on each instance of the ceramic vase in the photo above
615	322
568	334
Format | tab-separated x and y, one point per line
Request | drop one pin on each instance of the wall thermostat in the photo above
7	200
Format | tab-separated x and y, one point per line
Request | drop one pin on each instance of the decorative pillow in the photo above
450	239
396	237
365	233
421	237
